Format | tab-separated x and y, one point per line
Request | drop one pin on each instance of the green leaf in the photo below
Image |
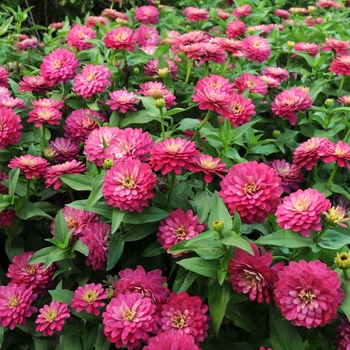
62	295
13	179
339	189
203	201
101	208
149	214
208	268
96	191
183	280
232	239
150	106
60	227
56	254
80	247
1	336
220	212
237	223
264	149
43	343
137	232
345	305
69	342
219	296
117	218
78	182
30	210
207	249
89	336
333	240
241	317
102	342
115	250
139	117
154	249
5	25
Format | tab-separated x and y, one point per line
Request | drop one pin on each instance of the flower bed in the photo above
176	178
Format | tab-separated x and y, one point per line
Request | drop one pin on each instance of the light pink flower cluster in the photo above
122	100
146	36
195	14
158	90
256	49
147	14
242	11
277	73
34	83
77	37
247	81
235	28
29	165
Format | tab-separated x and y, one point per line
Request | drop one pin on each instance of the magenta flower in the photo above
34	83
122	100
340	65
121	38
11	102
4	76
343	337
146	35
308	293
252	274
185	315
59	66
147	14
158	90
340	153
92	80
65	149
256	49
150	284
173	155
253	189
77	37
92	21
171	340
339	46
250	82
48	102
241	109
235	28
128	187
301	211
278	73
195	14
29	165
52	317
89	298
152	68
10	127
242	11
41	115
129	319
310	48
15	304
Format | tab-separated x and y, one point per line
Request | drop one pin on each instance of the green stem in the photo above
162	123
201	124
341	85
171	179
43	131
204	187
27	189
188	73
346	275
321	233
70	193
330	180
226	65
127	71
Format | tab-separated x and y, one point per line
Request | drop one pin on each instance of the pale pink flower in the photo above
152	69
223	14
340	153
122	100
34	83
256	49
48	102
310	48
121	38
189	38
195	14
282	13
311	21
345	100
340	65
92	21
271	83
250	82
27	44
29	165
146	35
44	115
242	11
158	90
114	14
329	4
339	46
277	73
77	37
4	75
235	28
232	46
11	102
147	14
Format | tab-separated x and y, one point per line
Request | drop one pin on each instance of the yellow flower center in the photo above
51	315
30	269
306	296
179	321
90	77
129	315
173	148
13	301
58	64
89	296
250	188
180	232
301	205
128	182
236	108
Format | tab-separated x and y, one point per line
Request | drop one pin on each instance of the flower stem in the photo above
346	275
330	180
171	180
188	73
70	193
228	61
27	189
204	187
201	124
321	233
341	85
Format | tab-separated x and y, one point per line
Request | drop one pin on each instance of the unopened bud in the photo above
108	163
290	44
342	260
250	30
329	102
276	133
162	72
49	153
160	103
311	8
217	225
336	216
160	7
136	70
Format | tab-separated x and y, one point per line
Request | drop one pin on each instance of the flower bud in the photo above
290	44
160	103
342	260
108	163
217	225
162	72
276	134
329	102
49	153
136	70
336	216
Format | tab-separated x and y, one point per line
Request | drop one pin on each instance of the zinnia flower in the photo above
4	75
147	14
92	21
34	83
301	211
146	35
209	166
53	172
173	155
29	165
308	293
150	284
41	115
339	46
15	304
89	298
282	13
256	49
65	149
345	100
128	187
252	274
343	337
91	80
253	190
96	236
235	28
178	226
52	317
185	315
120	38
278	73
122	100
158	90
340	65
340	153
171	340
129	319
241	109
252	83
59	66
242	11
78	35
11	102
310	48
10	127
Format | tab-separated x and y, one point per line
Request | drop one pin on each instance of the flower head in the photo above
336	216
340	65
122	100
52	317
11	102
92	21
345	100
252	83
195	14
340	153
77	37
310	48
343	337
278	73
10	127
29	165
146	35
4	75
282	13
147	14
301	211
253	189
308	293
242	11
41	115
89	298
158	90
121	38
34	83
235	28
178	226
256	49
48	102
339	46
241	109
152	68
171	340
64	149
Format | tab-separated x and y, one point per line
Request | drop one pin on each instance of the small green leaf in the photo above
89	336
115	250
208	268
30	210
150	106
80	247
96	191
232	239
204	204
60	227
154	249
62	295
78	182
345	305
137	232
69	342
149	214
333	240
102	342
117	218
183	280
13	178
139	117
220	212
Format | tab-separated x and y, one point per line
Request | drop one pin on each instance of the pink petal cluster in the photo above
10	127
89	298
4	75
65	149
146	35
195	14
92	21
52	317
171	340
256	49
121	38
34	83
340	65
340	153
339	46
29	165
277	73
11	102
343	336
241	109
234	47
129	319
48	102
129	187
147	14
308	293
149	284
158	90
122	100
178	226
247	81
253	190
42	115
252	274
152	68
235	28
77	37
301	211
282	13
310	48
242	11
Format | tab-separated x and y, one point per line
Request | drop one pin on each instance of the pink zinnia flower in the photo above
282	13
53	172
146	35
271	83
252	83
29	165
121	38
48	102
147	14
178	226
10	127
52	317
4	92
235	28
11	102
210	52
15	304
4	75
92	21
78	35
256	49
79	124
252	274
41	115
34	83
128	187
340	65
7	217
339	46
129	319
56	25
290	174
301	211
89	298
344	100
308	152
150	284
278	73
309	48
340	153
242	11
253	189
185	315
232	46
152	68
195	14
288	102
311	21
114	14
223	14
27	44
171	340
59	66
241	109
343	337
173	155
30	275
158	90
329	4
96	236
189	38
65	149
122	100
308	293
